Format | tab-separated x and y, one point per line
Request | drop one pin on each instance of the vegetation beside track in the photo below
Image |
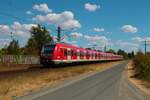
142	66
21	83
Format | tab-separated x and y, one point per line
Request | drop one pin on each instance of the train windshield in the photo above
48	49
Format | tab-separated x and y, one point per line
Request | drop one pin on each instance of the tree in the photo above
122	52
3	50
13	48
39	37
111	51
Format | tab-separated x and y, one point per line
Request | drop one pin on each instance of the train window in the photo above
102	56
95	55
81	54
69	53
99	56
48	49
78	53
72	53
61	52
65	52
87	54
92	55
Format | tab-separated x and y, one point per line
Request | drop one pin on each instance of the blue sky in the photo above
117	24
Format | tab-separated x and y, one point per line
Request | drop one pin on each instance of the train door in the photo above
78	54
69	55
61	54
65	57
72	54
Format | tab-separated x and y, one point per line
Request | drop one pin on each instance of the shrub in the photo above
142	65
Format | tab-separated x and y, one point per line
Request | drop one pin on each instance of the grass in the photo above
142	66
21	83
140	83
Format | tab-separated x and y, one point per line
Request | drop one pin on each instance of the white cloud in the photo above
17	29
65	20
76	35
19	26
99	40
4	42
91	7
137	39
147	38
97	29
66	40
128	46
129	29
140	40
42	8
4	29
22	30
29	13
95	38
108	32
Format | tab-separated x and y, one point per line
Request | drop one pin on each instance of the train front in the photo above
47	54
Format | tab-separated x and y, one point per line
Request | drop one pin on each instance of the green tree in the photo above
13	48
122	52
3	50
39	37
131	54
111	51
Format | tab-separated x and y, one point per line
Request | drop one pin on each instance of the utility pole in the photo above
105	48
145	45
11	35
58	33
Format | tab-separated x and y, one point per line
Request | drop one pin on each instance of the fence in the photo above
19	59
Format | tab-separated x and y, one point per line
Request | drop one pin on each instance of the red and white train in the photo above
58	53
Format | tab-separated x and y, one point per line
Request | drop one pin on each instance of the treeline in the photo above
126	55
39	36
142	65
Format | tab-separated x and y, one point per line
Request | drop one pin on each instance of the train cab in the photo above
47	53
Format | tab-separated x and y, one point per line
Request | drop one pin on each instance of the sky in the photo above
116	24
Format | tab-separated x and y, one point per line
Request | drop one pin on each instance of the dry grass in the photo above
14	67
142	84
21	83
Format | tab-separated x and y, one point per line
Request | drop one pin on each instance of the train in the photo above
60	53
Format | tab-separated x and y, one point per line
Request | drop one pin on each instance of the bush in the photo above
142	65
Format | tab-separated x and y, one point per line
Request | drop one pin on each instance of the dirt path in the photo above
143	85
